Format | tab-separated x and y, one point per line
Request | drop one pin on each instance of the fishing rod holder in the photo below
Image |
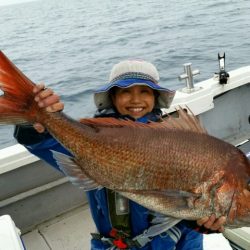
222	75
188	77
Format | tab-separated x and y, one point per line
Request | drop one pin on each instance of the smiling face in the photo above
135	101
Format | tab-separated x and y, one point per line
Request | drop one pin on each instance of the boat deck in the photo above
71	231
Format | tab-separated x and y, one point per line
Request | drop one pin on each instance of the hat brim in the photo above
103	100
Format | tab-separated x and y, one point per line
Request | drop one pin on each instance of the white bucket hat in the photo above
131	73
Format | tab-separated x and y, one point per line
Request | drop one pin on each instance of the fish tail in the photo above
17	103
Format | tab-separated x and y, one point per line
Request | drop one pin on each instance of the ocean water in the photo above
72	45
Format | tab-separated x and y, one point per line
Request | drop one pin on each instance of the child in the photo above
132	93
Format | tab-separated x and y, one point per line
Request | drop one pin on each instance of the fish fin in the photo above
17	104
74	172
109	122
186	120
171	193
165	193
170	203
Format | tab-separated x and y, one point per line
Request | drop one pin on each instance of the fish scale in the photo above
173	167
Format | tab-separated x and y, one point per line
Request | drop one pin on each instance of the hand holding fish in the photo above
212	223
46	98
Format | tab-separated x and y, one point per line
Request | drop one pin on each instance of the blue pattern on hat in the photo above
126	83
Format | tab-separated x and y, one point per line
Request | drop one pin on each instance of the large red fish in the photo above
173	167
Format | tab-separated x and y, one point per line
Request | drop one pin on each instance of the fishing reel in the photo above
223	75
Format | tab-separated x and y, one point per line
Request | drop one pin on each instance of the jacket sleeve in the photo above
39	144
27	135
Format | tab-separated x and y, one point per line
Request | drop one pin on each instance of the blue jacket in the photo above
179	237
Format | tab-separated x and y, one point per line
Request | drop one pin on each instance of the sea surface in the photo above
72	45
